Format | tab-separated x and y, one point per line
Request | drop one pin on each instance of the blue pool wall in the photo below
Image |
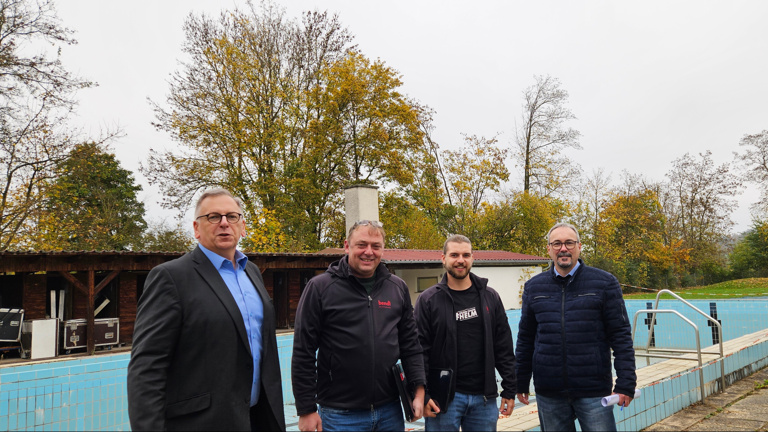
89	393
737	318
86	393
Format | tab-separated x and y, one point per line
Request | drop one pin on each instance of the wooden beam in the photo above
106	281
73	280
91	328
91	290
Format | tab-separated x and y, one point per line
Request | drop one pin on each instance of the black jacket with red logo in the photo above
438	335
357	338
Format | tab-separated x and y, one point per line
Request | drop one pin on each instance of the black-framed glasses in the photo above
569	244
215	218
363	222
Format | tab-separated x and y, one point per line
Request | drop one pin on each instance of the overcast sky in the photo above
648	80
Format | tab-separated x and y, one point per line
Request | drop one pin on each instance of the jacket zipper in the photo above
453	333
373	350
562	333
372	334
487	330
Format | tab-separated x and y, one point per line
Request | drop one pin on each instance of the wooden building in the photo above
109	284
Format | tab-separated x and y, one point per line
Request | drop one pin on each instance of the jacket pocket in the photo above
588	301
187	406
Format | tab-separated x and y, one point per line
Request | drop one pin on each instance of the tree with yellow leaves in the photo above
284	114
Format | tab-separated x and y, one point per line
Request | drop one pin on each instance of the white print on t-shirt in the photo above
466	314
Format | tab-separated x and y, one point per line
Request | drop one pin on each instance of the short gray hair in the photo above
456	238
372	225
214	192
567	225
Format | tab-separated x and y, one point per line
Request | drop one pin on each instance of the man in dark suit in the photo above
204	351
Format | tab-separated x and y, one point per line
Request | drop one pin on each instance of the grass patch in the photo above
739	288
761	385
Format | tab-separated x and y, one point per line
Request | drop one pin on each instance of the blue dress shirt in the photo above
250	305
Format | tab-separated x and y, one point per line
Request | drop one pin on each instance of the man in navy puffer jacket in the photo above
573	316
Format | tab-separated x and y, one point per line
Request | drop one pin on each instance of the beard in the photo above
456	275
561	255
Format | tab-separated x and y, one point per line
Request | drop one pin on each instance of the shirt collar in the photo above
570	273
219	260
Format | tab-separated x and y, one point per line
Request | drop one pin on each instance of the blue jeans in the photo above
471	412
387	417
558	414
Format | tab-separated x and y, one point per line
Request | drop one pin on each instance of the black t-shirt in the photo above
367	283
470	375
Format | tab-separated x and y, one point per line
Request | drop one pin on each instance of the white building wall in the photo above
410	277
507	281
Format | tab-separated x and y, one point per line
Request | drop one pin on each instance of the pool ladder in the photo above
681	353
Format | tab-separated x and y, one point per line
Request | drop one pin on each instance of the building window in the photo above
423	283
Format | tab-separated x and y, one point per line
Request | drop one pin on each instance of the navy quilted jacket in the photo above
568	328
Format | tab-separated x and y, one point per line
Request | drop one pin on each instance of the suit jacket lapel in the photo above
212	277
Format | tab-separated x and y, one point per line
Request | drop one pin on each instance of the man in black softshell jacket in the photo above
572	317
353	323
463	327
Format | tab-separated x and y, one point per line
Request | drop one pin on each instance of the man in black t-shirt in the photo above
463	328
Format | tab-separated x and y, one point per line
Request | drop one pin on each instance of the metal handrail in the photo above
648	348
709	318
652	324
714	321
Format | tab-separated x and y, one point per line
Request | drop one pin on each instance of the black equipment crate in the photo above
75	333
10	324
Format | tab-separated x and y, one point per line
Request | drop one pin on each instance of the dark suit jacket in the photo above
191	366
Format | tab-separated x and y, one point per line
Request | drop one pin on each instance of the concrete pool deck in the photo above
741	407
671	385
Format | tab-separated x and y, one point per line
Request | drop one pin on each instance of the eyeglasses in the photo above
375	224
569	244
215	218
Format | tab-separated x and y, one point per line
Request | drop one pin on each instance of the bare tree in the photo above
701	202
594	195
36	97
21	23
543	134
755	163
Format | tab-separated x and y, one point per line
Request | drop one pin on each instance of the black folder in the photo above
439	383
406	398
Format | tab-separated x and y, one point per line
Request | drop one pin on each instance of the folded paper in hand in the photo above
614	398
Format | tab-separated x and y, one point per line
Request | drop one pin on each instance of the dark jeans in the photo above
558	414
470	412
387	417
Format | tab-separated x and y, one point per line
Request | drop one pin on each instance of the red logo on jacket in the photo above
386	305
